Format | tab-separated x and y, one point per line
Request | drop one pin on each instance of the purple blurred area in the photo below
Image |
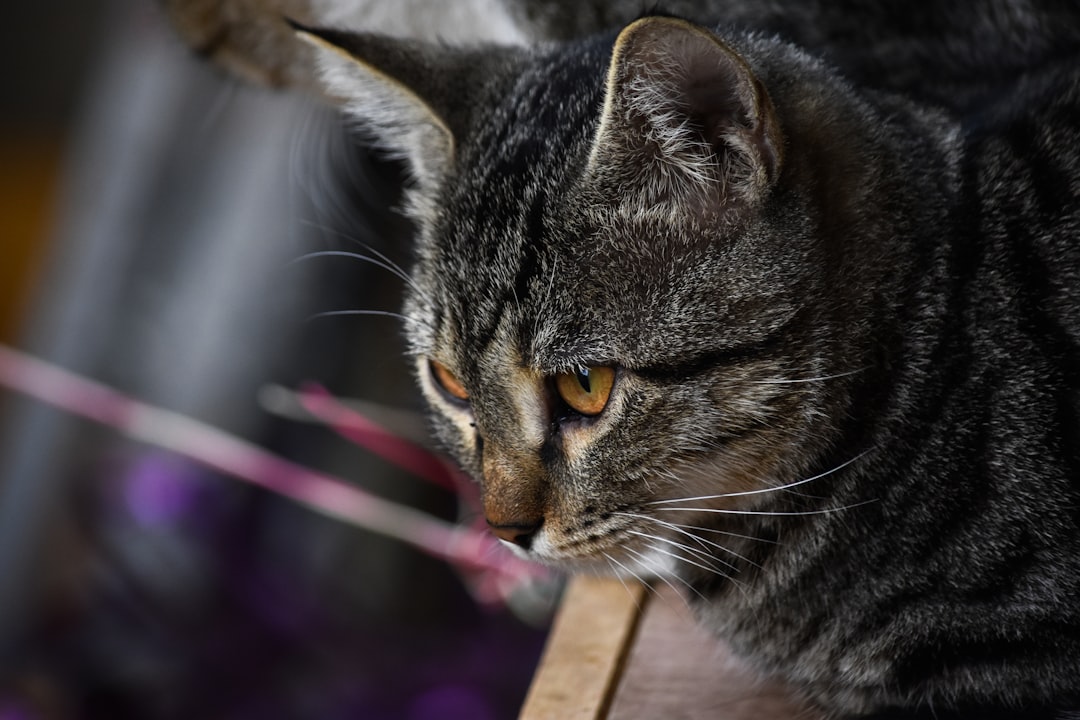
161	490
133	583
196	597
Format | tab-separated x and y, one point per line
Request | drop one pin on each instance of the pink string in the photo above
466	548
368	434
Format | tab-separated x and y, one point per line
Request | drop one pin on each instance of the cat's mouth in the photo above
667	536
615	547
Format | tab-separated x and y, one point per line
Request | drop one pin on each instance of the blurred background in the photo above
153	218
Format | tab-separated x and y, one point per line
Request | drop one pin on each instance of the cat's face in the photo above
589	359
585	382
605	312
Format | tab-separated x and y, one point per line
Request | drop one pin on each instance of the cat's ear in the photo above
685	120
387	83
418	100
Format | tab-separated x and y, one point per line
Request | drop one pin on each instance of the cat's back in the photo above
987	384
1020	208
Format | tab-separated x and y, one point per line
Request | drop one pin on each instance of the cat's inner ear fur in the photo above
379	81
685	121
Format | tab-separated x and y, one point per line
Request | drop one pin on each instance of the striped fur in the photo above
847	415
833	252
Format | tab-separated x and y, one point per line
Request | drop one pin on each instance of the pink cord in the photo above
467	548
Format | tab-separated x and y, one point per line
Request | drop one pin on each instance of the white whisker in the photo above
685	530
707	568
726	533
377	262
663	578
377	313
762	490
701	554
632	574
808	380
778	513
355	240
380	262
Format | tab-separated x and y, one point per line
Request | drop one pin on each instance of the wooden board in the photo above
619	654
589	640
676	670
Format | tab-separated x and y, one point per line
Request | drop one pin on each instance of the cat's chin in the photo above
650	566
644	566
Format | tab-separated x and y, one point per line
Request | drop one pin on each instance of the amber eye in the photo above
448	381
586	391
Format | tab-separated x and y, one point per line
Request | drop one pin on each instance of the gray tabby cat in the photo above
691	303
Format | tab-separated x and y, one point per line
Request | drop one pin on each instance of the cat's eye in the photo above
586	391
448	381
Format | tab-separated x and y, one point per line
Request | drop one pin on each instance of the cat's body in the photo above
959	578
950	53
831	322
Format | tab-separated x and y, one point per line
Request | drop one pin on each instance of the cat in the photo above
785	311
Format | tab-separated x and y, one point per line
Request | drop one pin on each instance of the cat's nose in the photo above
520	532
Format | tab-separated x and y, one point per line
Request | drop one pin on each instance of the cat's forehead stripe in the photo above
504	370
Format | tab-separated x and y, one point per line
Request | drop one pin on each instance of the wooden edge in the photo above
589	641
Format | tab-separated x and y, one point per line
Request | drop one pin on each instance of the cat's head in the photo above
608	309
608	279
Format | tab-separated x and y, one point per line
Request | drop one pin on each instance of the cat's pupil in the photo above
583	380
585	391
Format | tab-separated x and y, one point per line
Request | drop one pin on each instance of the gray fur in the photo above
869	291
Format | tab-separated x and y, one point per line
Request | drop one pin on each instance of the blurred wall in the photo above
46	48
135	584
